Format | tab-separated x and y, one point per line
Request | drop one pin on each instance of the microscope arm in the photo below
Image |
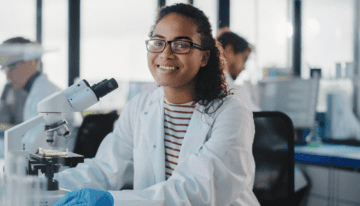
76	98
13	135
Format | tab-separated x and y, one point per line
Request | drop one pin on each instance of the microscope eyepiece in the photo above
104	87
86	82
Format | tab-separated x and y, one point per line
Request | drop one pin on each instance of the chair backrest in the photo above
273	150
92	131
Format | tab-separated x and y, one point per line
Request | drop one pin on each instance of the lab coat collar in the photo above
229	79
30	82
199	126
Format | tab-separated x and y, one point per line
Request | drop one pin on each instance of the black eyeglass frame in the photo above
192	44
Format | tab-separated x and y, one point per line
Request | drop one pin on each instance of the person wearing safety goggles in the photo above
26	86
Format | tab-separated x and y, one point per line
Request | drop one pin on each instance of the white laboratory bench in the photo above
333	172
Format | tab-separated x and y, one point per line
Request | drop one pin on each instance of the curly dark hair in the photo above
210	83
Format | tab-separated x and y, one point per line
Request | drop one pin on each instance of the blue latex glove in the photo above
86	197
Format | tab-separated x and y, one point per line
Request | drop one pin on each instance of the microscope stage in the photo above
69	160
53	151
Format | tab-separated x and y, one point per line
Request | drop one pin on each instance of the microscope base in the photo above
50	197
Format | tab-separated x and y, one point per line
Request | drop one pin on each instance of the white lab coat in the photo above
40	89
36	137
242	92
215	165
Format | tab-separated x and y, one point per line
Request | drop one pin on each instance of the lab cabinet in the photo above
317	201
330	186
319	179
349	185
346	204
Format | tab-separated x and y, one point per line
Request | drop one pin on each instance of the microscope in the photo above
76	98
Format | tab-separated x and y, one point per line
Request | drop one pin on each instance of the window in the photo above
327	35
171	2
266	25
328	40
17	21
243	22
210	8
112	45
55	41
113	35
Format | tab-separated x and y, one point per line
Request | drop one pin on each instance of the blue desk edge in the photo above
324	160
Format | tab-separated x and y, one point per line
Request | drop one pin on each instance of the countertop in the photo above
329	155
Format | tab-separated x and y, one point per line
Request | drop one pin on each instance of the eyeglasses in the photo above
9	67
177	46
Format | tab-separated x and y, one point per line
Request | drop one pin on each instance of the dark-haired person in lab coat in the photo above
237	50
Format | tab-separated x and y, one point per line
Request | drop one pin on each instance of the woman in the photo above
186	143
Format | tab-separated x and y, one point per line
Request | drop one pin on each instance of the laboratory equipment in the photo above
339	70
315	72
275	72
116	100
76	98
341	123
327	86
295	97
349	69
356	83
19	189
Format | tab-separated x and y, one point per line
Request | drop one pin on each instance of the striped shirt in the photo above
177	118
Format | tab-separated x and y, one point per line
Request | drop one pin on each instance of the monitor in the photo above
295	97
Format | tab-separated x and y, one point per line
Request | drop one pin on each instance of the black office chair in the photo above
92	131
273	150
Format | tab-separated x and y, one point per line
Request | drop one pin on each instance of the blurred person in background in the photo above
26	87
236	51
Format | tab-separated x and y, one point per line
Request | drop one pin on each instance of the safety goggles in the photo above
10	67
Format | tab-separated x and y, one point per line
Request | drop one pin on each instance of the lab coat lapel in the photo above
154	122
199	126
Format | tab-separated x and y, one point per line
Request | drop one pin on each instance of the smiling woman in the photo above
206	81
179	82
187	143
